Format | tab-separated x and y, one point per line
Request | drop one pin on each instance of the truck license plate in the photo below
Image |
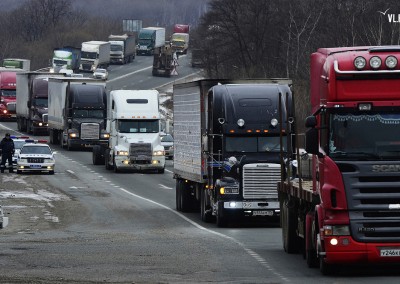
263	213
390	252
35	166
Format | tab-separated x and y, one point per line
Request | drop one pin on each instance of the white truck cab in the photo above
134	126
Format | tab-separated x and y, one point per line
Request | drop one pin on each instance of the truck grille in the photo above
140	152
373	200
90	131
260	181
35	160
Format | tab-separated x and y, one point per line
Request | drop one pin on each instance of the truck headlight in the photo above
336	230
122	153
158	153
74	135
105	135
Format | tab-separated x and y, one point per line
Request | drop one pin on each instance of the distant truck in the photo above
227	142
77	112
32	101
181	28
66	58
134	127
163	61
16	63
123	48
8	92
94	54
149	39
180	42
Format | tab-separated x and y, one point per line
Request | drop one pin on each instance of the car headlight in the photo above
158	153
122	153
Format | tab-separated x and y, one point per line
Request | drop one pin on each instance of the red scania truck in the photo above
349	213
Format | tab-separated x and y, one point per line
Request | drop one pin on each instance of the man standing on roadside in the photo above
7	147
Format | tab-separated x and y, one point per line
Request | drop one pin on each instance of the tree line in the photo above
274	39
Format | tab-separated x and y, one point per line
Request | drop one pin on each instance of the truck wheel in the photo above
205	210
107	159
116	170
51	172
96	155
186	198
289	224
161	171
311	252
222	221
178	195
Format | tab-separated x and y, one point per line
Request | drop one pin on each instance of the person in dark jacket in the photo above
7	152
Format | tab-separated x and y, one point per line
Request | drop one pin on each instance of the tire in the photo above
107	160
51	172
96	155
19	172
116	170
205	216
311	252
161	171
178	195
186	198
222	221
289	224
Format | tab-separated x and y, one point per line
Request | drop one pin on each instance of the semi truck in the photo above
149	39
134	127
227	141
77	112
163	61
66	58
17	63
123	48
180	42
348	212
181	28
94	54
8	92
32	101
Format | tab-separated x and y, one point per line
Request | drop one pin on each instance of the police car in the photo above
36	156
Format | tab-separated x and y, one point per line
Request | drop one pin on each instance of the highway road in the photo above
123	227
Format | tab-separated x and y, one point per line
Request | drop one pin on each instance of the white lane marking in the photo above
169	171
164	186
7	128
129	74
71	172
253	254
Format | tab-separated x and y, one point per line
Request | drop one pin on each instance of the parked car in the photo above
36	157
100	73
168	142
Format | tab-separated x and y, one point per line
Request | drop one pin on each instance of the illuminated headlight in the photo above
105	135
5	111
337	230
240	122
375	62
360	62
232	204
122	153
158	153
74	135
40	123
274	122
391	62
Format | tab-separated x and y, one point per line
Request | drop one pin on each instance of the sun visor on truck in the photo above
88	96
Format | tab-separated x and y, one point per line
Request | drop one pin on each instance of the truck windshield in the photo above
84	113
364	136
115	47
254	144
178	43
88	55
40	102
144	41
8	93
138	126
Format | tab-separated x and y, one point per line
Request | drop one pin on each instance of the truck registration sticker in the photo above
390	252
263	213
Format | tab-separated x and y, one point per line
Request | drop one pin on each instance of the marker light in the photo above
375	62
240	122
391	62
222	190
274	122
359	62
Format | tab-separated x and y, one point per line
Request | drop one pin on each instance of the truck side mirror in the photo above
312	141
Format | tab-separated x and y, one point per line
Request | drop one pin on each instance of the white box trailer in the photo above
94	54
